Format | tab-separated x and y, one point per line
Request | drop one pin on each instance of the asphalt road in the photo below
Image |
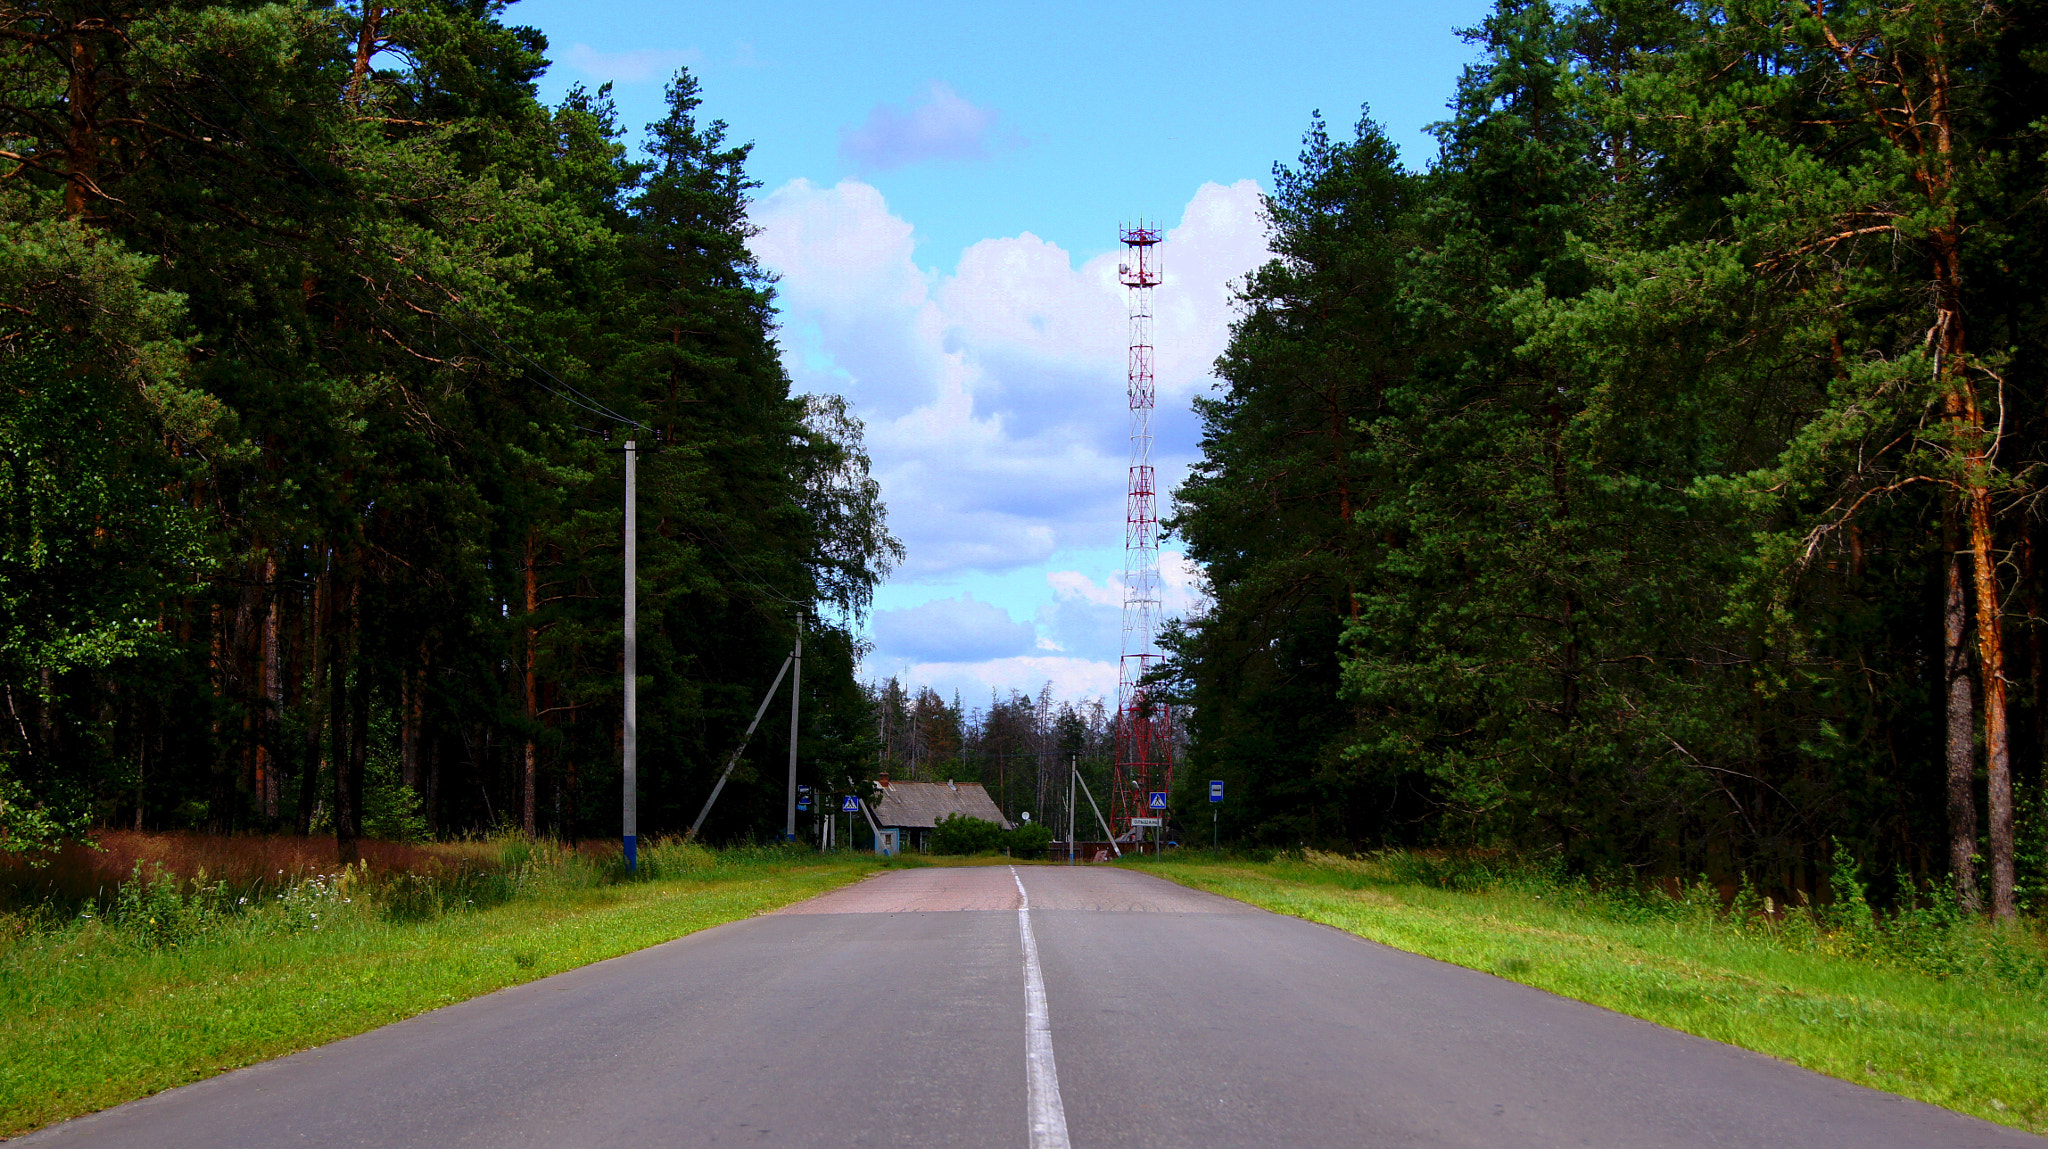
921	1008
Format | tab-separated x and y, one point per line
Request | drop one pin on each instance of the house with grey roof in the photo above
914	808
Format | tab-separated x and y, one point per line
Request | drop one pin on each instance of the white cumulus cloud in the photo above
941	126
632	67
1086	617
995	395
1071	678
951	630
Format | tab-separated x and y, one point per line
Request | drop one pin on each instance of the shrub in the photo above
155	912
2031	851
392	810
1028	840
960	834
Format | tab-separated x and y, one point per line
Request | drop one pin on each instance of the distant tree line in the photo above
1020	747
320	337
1656	479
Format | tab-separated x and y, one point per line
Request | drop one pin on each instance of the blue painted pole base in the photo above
632	853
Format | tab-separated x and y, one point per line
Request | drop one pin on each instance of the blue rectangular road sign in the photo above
1215	791
1158	800
851	805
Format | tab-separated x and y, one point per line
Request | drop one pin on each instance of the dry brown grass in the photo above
79	873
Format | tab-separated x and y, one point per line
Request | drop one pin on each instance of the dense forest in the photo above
321	340
1652	481
1655	480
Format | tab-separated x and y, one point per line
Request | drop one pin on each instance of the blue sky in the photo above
942	187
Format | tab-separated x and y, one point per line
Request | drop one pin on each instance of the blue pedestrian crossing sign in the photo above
851	805
1158	800
1215	791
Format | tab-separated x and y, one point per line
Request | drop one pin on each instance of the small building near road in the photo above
914	808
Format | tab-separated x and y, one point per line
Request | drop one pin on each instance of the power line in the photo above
742	567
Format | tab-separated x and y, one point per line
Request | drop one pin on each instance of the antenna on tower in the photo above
1144	725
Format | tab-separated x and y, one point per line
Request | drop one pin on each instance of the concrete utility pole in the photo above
1073	772
796	691
630	831
1099	820
744	739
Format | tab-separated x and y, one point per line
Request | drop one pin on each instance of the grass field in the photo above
167	982
1947	1011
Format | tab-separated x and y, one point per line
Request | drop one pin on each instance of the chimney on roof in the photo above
882	781
950	786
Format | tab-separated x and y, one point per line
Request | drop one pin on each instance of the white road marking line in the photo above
1042	1077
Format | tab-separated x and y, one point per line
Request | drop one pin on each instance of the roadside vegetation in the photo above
1926	1001
215	953
1623	482
958	834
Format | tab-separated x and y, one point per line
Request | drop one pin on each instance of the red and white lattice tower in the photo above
1144	725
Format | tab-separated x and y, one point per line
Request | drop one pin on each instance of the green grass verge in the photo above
96	1012
1974	1040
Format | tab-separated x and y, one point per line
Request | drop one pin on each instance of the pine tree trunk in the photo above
1962	724
219	676
81	141
528	766
245	650
341	755
1910	97
366	47
316	634
273	693
359	736
2038	683
1938	177
409	724
1997	739
568	827
1966	415
433	795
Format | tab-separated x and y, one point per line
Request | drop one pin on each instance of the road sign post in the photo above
1158	802
1215	801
